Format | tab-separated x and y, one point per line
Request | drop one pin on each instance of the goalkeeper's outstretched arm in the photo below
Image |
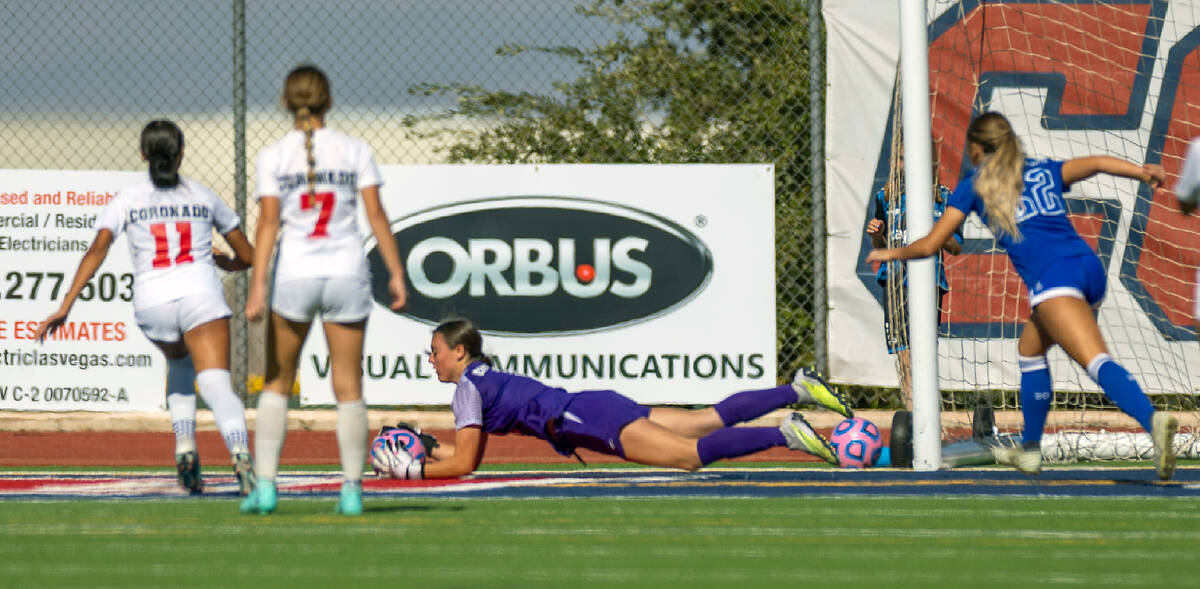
458	459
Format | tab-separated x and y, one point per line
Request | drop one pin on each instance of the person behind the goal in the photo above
893	278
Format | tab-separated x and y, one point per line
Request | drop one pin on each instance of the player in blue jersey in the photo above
887	224
1021	200
489	401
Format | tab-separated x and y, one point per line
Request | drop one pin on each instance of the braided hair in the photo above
306	94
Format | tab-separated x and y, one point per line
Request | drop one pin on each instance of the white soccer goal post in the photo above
1119	78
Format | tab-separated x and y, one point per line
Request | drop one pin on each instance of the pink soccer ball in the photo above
857	443
403	440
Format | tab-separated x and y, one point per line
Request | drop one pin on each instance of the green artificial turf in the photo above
816	541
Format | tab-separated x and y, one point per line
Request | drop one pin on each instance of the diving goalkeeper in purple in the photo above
489	401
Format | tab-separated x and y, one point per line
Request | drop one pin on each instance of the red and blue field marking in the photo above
717	482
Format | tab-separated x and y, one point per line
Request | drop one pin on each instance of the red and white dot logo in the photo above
545	265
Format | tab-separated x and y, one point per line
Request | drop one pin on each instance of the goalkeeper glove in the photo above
428	440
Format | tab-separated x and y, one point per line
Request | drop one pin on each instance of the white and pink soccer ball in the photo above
857	443
383	457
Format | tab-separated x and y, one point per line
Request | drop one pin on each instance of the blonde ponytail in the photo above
999	181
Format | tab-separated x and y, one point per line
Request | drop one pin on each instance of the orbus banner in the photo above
1075	78
657	281
99	360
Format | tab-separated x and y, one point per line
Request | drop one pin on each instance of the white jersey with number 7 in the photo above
319	235
170	238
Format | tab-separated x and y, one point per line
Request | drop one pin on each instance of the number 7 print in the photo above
310	201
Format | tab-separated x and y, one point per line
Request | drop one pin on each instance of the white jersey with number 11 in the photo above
170	238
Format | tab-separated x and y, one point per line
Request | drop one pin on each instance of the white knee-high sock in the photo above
352	438
269	433
181	402
228	411
183	420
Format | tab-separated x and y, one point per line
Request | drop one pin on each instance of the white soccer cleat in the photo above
1026	461
243	471
801	436
1164	425
811	389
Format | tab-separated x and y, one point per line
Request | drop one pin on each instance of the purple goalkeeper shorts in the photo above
594	420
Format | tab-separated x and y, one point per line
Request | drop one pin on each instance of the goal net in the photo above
1119	78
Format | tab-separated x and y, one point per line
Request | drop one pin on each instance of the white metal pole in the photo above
918	179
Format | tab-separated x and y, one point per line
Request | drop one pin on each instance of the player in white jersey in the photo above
1187	190
309	185
177	298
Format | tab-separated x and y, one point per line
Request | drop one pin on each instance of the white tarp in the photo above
1069	77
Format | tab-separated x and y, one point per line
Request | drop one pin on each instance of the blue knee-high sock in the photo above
1121	387
1037	391
747	405
732	442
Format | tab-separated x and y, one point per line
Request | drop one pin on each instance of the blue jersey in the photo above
501	402
894	223
1046	232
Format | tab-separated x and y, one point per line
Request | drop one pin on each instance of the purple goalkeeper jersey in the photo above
501	402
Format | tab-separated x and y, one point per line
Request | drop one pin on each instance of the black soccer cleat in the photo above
188	466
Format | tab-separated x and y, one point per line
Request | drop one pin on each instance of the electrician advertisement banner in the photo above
98	360
1074	79
657	281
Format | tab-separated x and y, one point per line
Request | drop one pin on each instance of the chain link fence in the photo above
438	81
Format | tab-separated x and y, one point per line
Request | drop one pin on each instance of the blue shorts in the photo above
1081	277
594	420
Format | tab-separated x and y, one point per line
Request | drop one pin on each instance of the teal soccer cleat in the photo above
262	500
350	501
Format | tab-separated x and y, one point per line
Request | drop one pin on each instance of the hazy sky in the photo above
136	56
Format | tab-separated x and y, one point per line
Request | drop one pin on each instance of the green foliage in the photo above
684	81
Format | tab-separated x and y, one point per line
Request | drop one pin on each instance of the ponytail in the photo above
305	120
306	94
162	143
999	181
